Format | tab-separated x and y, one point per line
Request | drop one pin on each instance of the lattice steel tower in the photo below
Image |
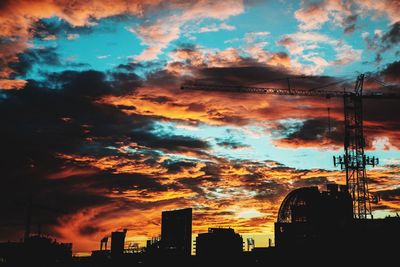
354	161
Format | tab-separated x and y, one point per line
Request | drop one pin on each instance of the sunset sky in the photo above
96	127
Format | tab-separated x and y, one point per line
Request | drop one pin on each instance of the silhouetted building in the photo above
219	242
103	254
153	245
100	256
117	244
35	250
176	231
313	224
308	216
379	236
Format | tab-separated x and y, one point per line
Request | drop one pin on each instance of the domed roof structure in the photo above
309	205
307	216
299	205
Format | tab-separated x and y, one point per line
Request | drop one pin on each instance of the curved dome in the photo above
299	205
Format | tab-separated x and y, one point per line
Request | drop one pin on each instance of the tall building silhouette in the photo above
176	231
117	244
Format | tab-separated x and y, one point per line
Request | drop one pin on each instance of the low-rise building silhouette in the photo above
35	250
219	242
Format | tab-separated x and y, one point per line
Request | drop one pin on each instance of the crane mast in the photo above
354	160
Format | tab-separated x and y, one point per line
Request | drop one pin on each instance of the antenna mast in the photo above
354	161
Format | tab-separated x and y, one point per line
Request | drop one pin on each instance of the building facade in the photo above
176	231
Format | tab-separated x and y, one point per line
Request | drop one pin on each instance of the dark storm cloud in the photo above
310	130
58	120
385	42
252	75
173	143
133	66
231	140
383	113
242	71
350	24
43	122
128	67
239	75
39	57
350	29
87	83
392	37
177	166
125	82
245	72
157	99
271	191
314	130
230	143
58	27
61	117
126	181
388	111
163	78
46	27
274	77
89	230
54	198
69	195
392	194
194	184
391	72
91	83
51	199
227	118
36	56
196	107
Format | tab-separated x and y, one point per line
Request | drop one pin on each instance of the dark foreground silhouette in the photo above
312	228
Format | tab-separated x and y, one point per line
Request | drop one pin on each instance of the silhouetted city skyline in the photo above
311	225
148	132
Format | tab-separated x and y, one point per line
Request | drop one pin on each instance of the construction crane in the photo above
354	160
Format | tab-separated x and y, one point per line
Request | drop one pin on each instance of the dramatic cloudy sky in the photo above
95	126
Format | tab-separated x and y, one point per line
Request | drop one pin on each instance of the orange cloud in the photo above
12	84
157	35
313	15
243	195
390	8
18	17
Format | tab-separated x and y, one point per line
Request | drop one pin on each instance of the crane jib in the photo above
283	91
